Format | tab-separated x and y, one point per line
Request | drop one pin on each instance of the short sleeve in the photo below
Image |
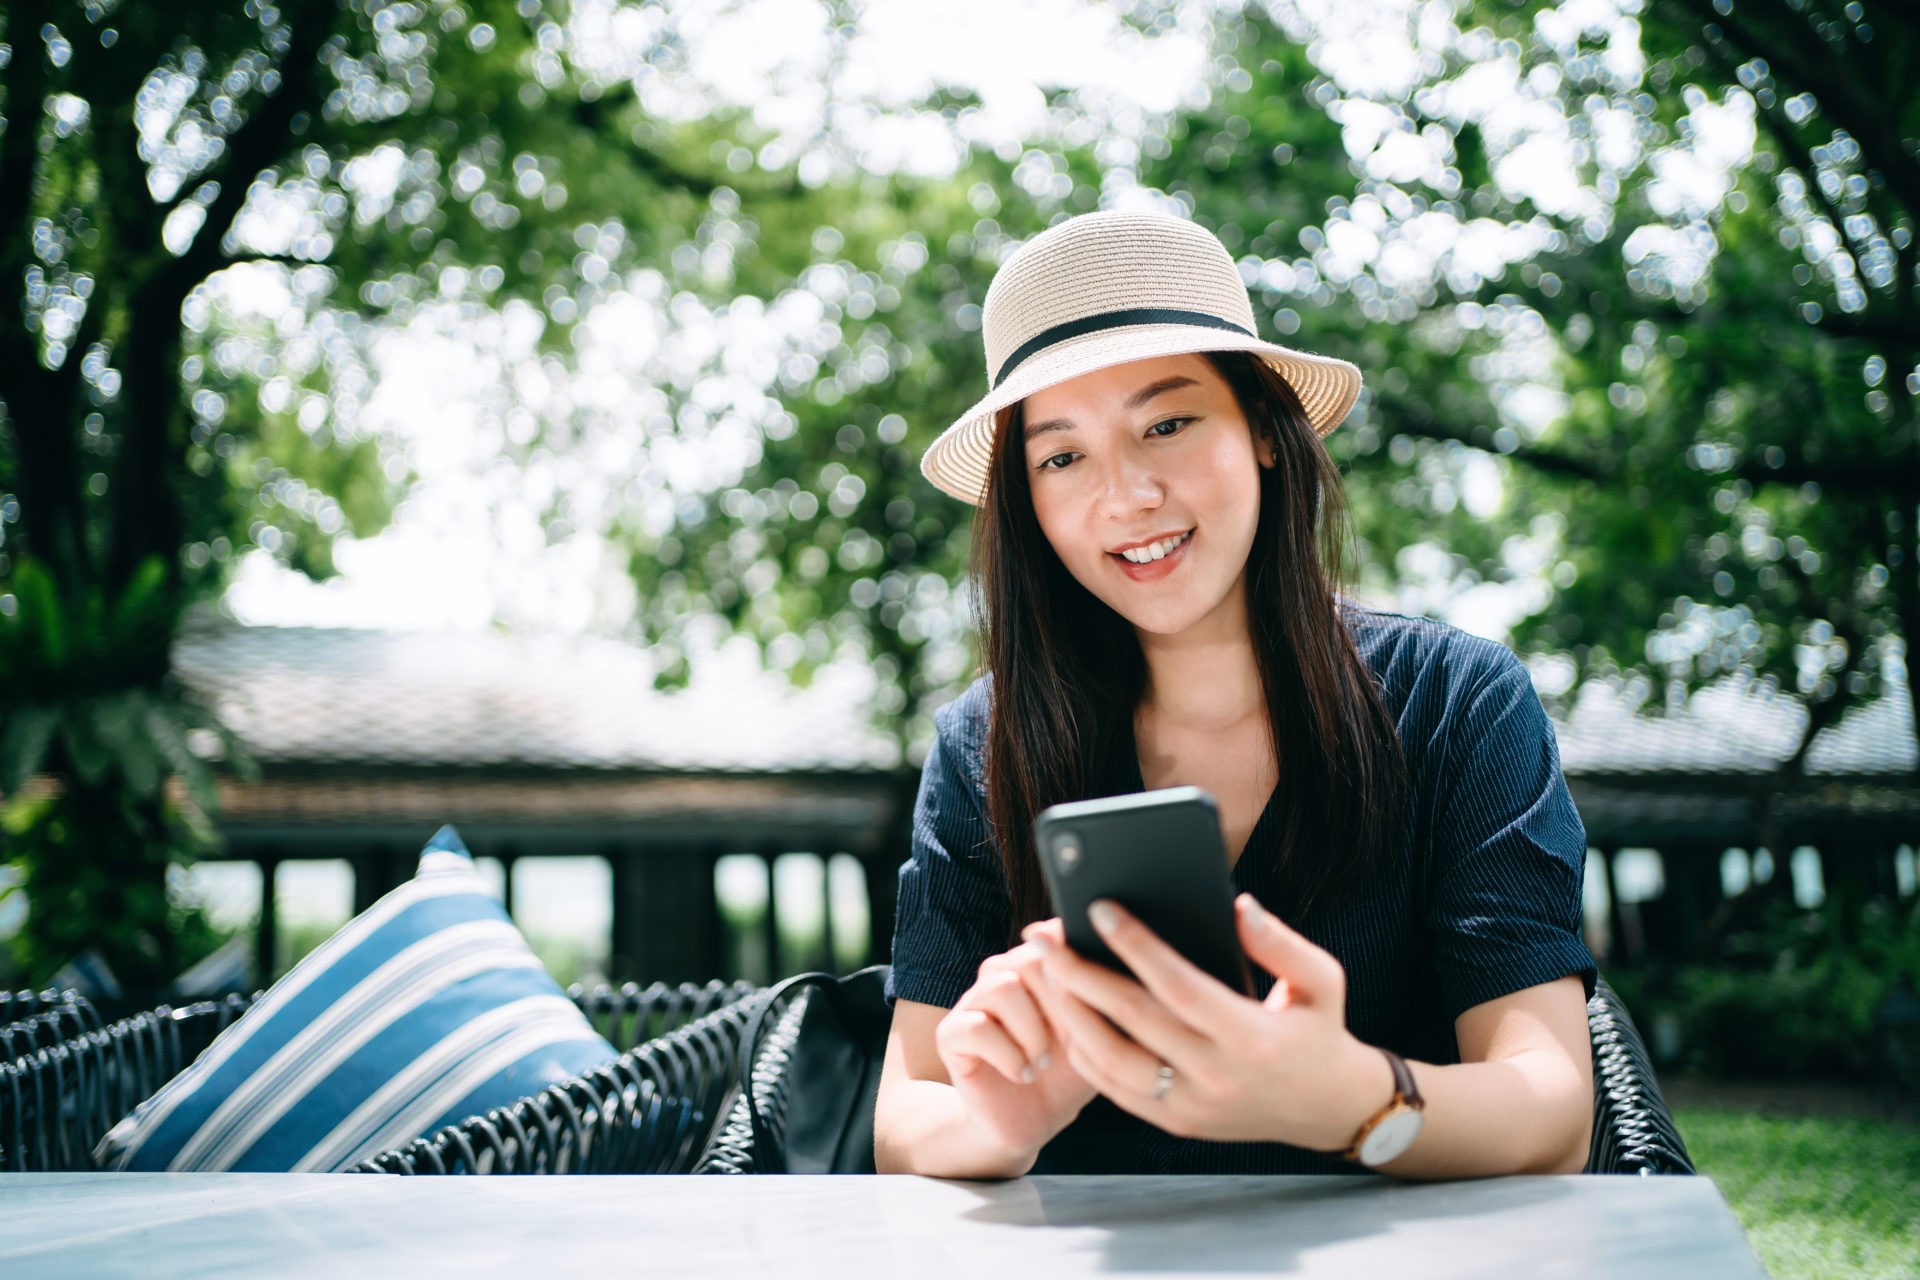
1509	849
952	909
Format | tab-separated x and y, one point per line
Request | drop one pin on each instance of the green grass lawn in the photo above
1819	1198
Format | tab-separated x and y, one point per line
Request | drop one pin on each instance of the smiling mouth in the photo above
1153	550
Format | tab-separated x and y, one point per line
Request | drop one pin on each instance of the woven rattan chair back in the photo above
1633	1132
57	1100
648	1111
65	1080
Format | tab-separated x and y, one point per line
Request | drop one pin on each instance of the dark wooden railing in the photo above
668	923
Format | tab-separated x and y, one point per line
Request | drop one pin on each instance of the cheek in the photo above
1062	530
1229	484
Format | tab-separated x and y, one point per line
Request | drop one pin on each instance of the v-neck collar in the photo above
1240	868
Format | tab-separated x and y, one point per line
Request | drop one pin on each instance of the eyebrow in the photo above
1133	401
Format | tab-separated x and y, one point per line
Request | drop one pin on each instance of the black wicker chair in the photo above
32	1020
1633	1133
648	1111
733	1148
59	1096
57	1099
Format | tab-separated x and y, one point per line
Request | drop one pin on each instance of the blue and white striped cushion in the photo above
425	1009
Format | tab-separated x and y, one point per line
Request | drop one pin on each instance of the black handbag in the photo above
811	1108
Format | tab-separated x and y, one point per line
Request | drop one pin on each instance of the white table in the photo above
159	1226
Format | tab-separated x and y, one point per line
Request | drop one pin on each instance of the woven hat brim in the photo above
959	461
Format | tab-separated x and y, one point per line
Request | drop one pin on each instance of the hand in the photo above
1284	1069
1004	1058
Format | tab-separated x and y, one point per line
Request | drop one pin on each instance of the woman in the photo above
1156	568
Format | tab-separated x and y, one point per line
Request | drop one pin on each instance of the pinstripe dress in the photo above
1483	901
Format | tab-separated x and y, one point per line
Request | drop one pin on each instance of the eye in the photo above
1046	464
1176	423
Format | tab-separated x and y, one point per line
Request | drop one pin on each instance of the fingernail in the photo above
1041	944
1102	915
1046	1060
1026	1075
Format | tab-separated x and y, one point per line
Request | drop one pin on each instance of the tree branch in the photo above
1789	140
1889	319
276	259
1876	477
594	116
20	144
1814	65
149	517
52	526
1827	711
250	148
1874	326
1410	418
1906	595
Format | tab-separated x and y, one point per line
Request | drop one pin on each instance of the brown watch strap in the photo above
1405	1091
1403	1079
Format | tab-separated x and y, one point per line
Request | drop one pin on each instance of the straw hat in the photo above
1103	289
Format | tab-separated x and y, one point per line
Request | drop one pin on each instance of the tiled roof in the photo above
1737	726
339	696
359	697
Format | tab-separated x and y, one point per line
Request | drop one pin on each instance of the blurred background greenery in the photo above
1818	1195
1633	287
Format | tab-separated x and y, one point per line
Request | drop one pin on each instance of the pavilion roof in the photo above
335	696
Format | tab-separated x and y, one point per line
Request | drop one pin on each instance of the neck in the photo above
1206	679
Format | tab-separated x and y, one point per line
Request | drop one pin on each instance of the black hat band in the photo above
1109	320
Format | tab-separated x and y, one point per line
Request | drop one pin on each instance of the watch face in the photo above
1391	1137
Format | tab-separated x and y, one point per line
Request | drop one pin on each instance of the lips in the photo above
1154	570
1152	548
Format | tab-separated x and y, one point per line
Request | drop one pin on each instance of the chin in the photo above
1165	620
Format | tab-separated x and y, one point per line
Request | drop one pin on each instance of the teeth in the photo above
1153	550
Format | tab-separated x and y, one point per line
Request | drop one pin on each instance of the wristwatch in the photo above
1392	1129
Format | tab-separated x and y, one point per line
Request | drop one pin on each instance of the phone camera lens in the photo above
1066	851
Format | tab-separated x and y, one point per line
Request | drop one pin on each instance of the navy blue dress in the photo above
1484	900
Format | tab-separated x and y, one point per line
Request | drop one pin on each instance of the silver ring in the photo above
1163	1082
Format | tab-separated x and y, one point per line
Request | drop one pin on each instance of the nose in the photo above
1130	485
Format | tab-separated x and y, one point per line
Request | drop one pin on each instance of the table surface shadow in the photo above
159	1226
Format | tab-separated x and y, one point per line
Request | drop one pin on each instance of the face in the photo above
1153	458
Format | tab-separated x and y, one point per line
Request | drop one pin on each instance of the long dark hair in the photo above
1068	671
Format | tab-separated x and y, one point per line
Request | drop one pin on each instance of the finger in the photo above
1099	1075
1117	1069
1008	995
1049	995
1309	974
1102	1056
1199	999
1129	1005
976	1034
1051	930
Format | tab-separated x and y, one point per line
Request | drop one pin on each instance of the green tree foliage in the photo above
1696	375
164	167
1667	403
1681	416
833	543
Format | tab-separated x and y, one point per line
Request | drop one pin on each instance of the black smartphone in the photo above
1160	855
